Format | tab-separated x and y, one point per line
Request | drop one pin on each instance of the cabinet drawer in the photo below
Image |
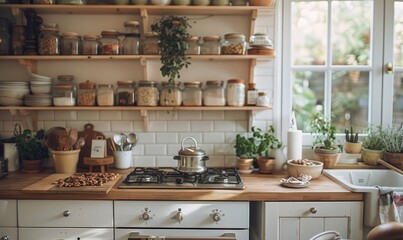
65	233
10	232
8	213
313	209
62	213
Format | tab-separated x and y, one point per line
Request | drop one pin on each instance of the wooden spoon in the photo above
73	137
79	143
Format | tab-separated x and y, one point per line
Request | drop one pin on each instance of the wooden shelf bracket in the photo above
144	114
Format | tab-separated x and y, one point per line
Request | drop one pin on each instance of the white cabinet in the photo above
65	219
303	220
8	219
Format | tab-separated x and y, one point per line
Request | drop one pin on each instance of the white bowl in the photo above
160	2
314	170
42	88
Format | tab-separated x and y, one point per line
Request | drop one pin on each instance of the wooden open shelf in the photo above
134	108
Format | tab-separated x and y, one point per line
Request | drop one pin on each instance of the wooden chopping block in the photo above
88	134
101	162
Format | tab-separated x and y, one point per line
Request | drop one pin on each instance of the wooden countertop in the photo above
259	187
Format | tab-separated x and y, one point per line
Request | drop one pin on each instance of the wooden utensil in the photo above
73	137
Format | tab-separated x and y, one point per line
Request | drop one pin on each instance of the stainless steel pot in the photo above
191	159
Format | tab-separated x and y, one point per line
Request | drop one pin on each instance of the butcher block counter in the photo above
258	187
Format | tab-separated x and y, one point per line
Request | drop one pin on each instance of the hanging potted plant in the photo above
352	145
326	147
173	32
267	143
32	150
372	146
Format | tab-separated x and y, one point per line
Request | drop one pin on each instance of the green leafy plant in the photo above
392	138
265	141
351	136
31	146
373	140
173	31
324	133
245	147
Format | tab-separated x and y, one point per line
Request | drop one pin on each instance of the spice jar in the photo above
235	92
105	95
214	93
110	44
131	41
171	94
125	93
150	44
147	93
71	43
193	46
90	44
234	44
192	94
49	39
211	45
251	94
86	94
64	95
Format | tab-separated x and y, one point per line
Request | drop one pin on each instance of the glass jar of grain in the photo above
234	43
235	92
71	44
49	39
211	45
214	93
91	44
147	93
110	43
86	94
192	94
150	44
105	95
171	94
64	95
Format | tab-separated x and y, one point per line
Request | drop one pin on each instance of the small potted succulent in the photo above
267	143
372	146
392	138
352	145
32	150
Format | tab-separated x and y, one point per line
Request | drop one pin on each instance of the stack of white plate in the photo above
40	84
12	93
38	100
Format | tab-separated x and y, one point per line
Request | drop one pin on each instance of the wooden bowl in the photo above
295	170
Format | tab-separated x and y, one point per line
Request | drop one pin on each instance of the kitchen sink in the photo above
367	181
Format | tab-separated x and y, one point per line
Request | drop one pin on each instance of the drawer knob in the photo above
313	210
66	213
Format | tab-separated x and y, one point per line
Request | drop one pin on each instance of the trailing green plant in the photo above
31	146
351	136
392	138
324	133
173	31
373	140
245	147
265	141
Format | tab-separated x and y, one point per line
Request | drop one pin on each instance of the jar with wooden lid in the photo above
86	93
251	94
150	44
71	44
49	39
234	43
147	93
105	95
193	46
131	41
110	44
211	45
91	44
214	93
64	95
235	92
171	94
192	94
125	93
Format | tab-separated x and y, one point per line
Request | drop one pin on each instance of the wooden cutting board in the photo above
46	185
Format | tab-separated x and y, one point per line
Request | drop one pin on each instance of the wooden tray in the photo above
46	185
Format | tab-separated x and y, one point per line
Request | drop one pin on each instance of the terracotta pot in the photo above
370	157
31	166
395	159
266	164
350	147
244	165
329	158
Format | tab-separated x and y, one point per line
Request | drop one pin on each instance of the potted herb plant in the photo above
372	146
32	149
267	143
352	145
173	32
392	138
326	147
245	149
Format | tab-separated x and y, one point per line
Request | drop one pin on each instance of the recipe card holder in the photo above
99	157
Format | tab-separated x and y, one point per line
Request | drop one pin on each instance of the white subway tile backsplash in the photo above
155	150
166	115
224	149
195	135
144	161
110	115
242	126
131	115
173	149
215	161
189	115
214	137
145	138
102	126
157	126
46	115
202	126
178	126
230	161
166	161
88	115
264	115
230	137
66	115
50	124
121	126
208	148
224	126
77	124
138	150
167	137
236	115
138	126
213	115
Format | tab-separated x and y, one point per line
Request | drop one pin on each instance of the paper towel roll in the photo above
294	144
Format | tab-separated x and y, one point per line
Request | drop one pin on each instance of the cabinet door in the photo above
303	220
10	232
65	233
8	213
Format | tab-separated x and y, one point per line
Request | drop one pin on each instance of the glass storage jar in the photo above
4	37
44	1
234	43
125	93
251	94
91	44
110	44
86	94
150	44
235	92
147	93
72	2
17	39
171	94
260	39
193	46
131	41
71	43
214	93
192	94
64	95
49	39
211	45
105	95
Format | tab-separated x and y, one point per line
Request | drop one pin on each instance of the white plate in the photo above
295	185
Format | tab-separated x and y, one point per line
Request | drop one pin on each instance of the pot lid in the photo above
191	151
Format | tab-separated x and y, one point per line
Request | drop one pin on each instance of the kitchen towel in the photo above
390	205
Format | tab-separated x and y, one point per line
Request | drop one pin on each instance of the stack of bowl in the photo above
12	93
260	44
41	87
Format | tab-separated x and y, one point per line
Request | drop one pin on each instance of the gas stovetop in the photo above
212	178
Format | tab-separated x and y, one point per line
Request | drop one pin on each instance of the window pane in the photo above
398	99
308	33
307	96
351	35
398	34
350	100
